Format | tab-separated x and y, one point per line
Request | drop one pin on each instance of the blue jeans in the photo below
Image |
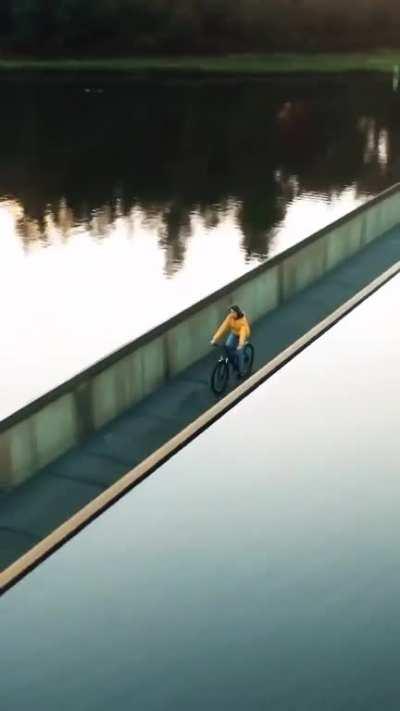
235	356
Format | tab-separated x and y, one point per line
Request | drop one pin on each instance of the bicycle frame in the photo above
226	359
225	356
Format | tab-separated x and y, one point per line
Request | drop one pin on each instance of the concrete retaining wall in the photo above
64	417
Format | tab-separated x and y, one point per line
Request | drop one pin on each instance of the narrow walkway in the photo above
31	512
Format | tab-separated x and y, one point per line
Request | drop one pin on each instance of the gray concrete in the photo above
62	488
37	434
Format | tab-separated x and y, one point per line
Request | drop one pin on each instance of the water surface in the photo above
121	203
257	569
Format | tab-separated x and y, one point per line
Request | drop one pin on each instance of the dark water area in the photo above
122	202
176	148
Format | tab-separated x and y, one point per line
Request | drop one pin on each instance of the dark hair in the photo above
238	311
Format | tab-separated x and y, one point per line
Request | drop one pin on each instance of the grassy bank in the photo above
382	61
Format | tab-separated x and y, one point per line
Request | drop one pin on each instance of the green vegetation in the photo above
106	28
232	64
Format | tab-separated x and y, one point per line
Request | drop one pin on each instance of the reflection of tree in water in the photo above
171	151
174	235
258	213
348	140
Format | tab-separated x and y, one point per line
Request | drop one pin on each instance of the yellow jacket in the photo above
239	326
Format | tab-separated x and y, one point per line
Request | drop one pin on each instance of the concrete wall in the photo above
48	427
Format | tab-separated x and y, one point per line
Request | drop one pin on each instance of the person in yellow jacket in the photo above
238	329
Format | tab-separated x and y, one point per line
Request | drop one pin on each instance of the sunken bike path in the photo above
32	511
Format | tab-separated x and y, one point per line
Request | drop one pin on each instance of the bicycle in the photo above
221	372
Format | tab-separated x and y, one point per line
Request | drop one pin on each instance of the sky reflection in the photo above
105	233
256	576
74	295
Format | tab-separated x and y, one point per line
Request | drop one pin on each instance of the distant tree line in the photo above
101	27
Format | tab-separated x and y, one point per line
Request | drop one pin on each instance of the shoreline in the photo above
229	65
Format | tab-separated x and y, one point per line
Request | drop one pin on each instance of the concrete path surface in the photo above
32	511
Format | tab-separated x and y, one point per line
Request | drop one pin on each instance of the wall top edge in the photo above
108	360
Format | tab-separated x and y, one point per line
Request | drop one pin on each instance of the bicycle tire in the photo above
248	360
220	377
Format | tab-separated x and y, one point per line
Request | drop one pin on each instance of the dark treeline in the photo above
101	27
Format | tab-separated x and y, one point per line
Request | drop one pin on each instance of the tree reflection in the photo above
174	235
79	160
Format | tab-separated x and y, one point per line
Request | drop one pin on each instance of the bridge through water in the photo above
257	568
33	510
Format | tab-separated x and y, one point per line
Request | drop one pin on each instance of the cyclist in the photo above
238	327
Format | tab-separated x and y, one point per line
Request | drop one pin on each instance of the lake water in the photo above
257	569
121	202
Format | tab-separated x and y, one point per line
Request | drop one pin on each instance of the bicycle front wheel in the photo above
220	377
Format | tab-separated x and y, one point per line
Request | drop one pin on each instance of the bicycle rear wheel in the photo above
248	359
220	377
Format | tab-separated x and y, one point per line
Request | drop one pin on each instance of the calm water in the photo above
258	569
122	203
